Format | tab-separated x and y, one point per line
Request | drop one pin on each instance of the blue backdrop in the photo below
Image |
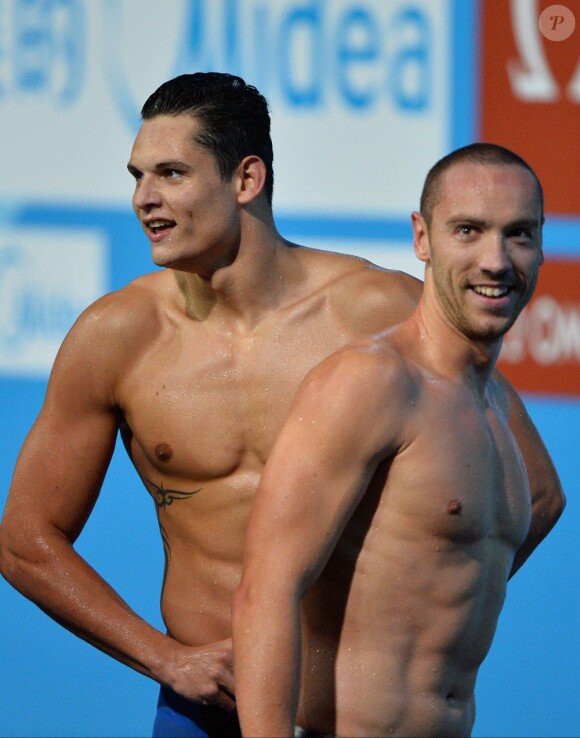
53	684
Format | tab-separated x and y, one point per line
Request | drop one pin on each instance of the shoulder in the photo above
371	297
134	304
118	323
361	399
367	374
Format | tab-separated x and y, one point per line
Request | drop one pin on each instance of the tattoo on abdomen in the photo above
167	552
164	497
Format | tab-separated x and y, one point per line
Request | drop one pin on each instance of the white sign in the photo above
359	91
47	277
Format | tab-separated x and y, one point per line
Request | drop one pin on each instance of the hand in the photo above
204	674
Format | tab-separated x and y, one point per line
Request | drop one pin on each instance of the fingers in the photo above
219	691
206	675
225	677
225	700
227	684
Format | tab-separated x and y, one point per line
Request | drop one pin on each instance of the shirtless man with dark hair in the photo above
196	366
395	501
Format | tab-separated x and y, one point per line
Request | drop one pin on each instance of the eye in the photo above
135	173
521	233
467	230
171	173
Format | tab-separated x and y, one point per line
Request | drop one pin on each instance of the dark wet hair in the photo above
234	118
477	153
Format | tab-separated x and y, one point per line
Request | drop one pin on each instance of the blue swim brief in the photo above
180	718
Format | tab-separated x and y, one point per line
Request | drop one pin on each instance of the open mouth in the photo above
158	226
492	291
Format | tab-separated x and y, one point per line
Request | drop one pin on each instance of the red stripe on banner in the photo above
530	91
541	353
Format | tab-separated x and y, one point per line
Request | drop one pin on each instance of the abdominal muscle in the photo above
378	693
401	658
203	541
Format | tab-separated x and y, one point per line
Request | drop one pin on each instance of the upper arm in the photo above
337	434
64	458
544	482
547	497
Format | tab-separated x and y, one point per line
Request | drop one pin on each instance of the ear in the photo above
251	179
420	237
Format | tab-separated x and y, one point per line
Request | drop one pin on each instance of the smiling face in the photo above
483	246
189	213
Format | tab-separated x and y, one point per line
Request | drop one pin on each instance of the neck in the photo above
242	292
445	350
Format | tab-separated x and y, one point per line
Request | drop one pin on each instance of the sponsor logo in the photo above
47	277
541	353
42	49
305	55
345	80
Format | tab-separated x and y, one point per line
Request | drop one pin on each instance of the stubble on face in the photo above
485	233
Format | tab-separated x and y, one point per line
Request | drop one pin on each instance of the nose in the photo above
146	193
495	257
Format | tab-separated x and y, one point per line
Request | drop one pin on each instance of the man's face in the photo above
188	212
485	246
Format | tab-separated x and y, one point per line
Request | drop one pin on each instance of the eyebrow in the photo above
170	164
526	221
456	220
481	223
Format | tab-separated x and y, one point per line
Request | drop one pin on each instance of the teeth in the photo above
491	291
159	224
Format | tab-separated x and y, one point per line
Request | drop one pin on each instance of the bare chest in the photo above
462	478
202	407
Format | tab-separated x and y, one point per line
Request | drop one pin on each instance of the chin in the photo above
164	259
489	333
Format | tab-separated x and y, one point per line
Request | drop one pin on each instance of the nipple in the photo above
163	451
454	507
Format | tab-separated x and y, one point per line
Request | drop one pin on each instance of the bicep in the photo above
542	473
297	516
64	458
317	474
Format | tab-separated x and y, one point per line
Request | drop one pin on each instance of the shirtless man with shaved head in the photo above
195	366
395	500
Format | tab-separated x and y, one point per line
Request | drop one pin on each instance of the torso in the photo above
202	408
418	579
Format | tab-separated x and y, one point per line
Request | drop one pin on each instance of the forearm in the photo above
52	575
267	649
